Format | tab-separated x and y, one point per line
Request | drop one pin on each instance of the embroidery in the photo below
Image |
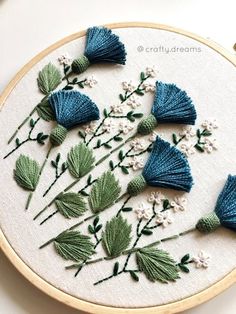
202	260
39	138
203	141
101	46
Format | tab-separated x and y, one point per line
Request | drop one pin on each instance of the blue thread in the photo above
72	108
104	46
173	105
226	204
167	167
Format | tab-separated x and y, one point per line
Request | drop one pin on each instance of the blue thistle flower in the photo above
225	210
101	46
171	105
70	108
166	167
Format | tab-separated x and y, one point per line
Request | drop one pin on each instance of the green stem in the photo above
28	139
57	177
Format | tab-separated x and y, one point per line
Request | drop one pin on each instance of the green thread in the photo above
136	185
104	192
208	223
80	160
157	265
147	125
116	237
48	79
80	65
58	135
72	245
44	110
26	172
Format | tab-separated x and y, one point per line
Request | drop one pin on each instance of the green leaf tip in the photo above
104	192
70	204
80	160
26	172
117	236
157	265
72	245
49	78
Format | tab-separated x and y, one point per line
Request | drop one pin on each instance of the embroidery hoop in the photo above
63	297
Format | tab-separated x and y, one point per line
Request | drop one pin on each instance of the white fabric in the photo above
210	80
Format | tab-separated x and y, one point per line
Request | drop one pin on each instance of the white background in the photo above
27	27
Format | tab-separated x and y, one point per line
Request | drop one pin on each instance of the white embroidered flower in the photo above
128	86
210	124
137	144
90	81
117	108
133	101
90	128
108	125
187	132
187	149
164	218
210	145
143	211
148	87
153	137
179	204
151	71
65	59
125	127
136	163
156	197
202	260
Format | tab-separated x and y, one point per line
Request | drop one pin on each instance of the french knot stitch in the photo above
208	223
136	185
80	65
58	135
147	125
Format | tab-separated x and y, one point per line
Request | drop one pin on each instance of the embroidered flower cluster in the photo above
201	139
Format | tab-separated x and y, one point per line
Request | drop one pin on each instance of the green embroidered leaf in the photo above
184	268
72	245
185	259
147	232
116	268
116	237
174	138
70	204
127	209
157	265
199	148
44	111
104	192
26	172
134	276
48	79
80	160
124	170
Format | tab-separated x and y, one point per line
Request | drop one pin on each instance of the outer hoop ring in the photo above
63	297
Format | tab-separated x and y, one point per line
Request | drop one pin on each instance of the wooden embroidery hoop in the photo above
63	297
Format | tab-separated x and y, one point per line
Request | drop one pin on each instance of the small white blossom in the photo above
153	137
179	204
164	218
125	127
137	144
187	132
143	211
210	124
90	128
108	125
151	71
202	260
136	163
210	145
156	197
187	149
148	87
128	86
90	81
118	108
133	101
65	59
